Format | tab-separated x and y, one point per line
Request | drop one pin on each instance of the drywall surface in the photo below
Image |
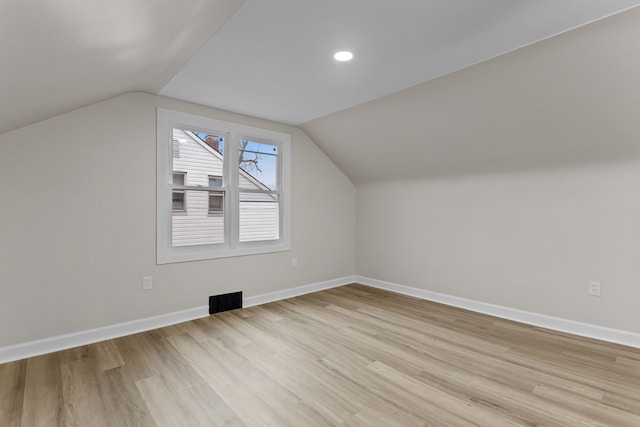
78	224
530	240
566	101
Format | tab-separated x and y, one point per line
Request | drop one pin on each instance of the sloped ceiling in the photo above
59	55
398	110
273	59
570	100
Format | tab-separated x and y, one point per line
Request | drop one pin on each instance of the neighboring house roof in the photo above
217	154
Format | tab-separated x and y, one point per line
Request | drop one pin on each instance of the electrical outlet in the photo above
147	283
594	289
294	262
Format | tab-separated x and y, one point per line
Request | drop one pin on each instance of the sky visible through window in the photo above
258	159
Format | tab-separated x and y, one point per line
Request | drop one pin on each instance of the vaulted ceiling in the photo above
59	55
429	92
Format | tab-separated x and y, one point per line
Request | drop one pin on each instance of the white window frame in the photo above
167	120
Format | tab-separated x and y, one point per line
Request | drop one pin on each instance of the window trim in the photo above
233	132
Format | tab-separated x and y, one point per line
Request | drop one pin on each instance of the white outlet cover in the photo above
594	289
147	283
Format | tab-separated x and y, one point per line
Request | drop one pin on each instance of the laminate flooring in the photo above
350	356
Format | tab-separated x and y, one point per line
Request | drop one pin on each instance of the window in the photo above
216	203
179	178
222	189
178	203
215	181
258	190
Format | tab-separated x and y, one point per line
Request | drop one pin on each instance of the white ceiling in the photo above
558	101
569	101
273	59
59	55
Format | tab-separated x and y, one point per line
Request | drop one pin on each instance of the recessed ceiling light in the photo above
343	56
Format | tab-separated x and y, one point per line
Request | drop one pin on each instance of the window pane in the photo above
201	158
178	178
214	141
215	181
259	217
216	203
258	165
177	201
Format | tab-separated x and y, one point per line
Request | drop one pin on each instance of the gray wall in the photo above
530	240
78	224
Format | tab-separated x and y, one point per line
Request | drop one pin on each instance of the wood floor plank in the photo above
240	385
164	403
197	406
82	400
349	356
303	379
123	402
107	355
12	383
43	404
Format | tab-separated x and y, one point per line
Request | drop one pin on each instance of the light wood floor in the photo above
352	356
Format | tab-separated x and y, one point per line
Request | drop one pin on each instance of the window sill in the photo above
194	253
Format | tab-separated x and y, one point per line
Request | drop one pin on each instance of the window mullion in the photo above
231	169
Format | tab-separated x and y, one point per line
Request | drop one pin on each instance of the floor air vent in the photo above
225	302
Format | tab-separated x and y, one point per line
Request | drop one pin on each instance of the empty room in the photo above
320	213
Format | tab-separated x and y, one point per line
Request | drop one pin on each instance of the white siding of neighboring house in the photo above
258	213
258	217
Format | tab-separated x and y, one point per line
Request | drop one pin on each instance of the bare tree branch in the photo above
244	160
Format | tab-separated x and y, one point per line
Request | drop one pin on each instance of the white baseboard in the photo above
555	323
63	342
294	292
90	336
